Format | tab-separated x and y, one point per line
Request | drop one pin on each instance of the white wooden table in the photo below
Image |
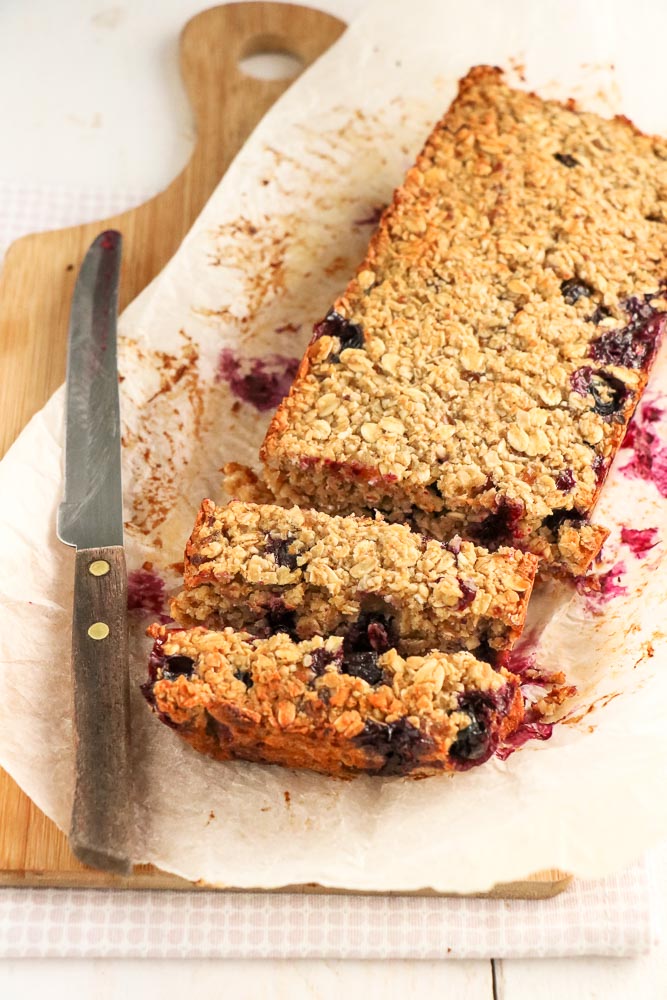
80	79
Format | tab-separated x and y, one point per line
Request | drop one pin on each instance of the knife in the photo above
90	518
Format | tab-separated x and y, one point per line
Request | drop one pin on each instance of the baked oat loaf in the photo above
264	569
308	705
477	375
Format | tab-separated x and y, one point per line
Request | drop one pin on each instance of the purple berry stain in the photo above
145	591
261	382
649	459
601	588
526	731
639	540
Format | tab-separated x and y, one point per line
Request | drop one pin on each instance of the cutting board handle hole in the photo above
268	57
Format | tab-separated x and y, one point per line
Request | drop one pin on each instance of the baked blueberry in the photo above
245	677
565	481
573	289
400	743
502	526
566	159
279	548
363	665
468	591
177	666
349	334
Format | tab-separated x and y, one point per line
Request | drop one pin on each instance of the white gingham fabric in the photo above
605	917
610	916
26	209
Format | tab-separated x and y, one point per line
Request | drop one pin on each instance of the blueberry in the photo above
279	548
566	159
364	666
472	742
349	334
399	744
600	313
560	516
573	289
371	632
565	481
633	345
245	676
280	618
177	666
609	393
501	526
468	591
321	658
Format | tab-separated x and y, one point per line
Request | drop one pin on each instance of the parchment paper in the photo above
223	324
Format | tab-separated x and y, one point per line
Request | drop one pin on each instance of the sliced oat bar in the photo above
479	371
308	705
267	569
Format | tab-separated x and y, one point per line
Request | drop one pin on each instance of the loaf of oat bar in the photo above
265	569
310	705
477	375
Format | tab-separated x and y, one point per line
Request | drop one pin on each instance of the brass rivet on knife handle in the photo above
100	832
100	567
98	630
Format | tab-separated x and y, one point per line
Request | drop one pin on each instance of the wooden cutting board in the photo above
36	285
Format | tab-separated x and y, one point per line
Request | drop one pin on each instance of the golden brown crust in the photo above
479	371
236	697
247	563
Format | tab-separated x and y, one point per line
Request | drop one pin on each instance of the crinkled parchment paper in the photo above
207	351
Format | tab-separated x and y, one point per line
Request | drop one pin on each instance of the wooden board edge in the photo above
541	885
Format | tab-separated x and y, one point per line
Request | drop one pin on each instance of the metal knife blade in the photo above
92	510
91	518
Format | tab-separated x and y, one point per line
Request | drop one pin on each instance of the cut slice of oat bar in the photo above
310	705
272	569
479	371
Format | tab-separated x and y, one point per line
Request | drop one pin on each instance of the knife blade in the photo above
90	518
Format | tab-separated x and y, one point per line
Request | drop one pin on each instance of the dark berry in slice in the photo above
601	312
609	393
280	618
279	548
363	665
573	289
565	481
371	632
321	658
566	159
177	666
561	516
468	591
349	334
472	742
502	526
634	344
400	745
245	677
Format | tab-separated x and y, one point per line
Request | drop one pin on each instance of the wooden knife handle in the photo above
101	815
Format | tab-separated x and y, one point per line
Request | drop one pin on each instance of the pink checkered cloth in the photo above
608	917
26	209
612	916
